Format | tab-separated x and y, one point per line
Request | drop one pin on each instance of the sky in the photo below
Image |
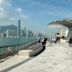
34	14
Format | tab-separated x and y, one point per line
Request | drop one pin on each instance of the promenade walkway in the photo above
56	58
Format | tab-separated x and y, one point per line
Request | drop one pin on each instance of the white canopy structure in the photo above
65	22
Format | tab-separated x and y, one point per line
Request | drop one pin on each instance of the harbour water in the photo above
15	41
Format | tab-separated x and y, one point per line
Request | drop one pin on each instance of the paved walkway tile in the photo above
56	58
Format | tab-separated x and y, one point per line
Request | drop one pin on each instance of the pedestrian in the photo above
70	42
39	40
44	42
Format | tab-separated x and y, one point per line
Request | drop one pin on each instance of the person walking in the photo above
44	42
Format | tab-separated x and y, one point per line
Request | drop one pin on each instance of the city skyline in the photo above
17	32
34	14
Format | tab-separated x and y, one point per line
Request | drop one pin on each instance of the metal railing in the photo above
10	46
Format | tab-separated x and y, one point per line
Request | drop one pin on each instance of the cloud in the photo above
23	16
12	18
21	13
5	3
1	9
4	10
9	4
6	13
5	17
1	1
3	13
19	10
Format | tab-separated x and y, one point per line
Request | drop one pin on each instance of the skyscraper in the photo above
19	28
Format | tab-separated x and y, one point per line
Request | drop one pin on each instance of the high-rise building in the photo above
8	31
11	33
30	33
19	28
40	35
23	33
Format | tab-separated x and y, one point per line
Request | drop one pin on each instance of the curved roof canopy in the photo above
64	22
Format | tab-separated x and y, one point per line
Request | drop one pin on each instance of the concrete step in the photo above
24	52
